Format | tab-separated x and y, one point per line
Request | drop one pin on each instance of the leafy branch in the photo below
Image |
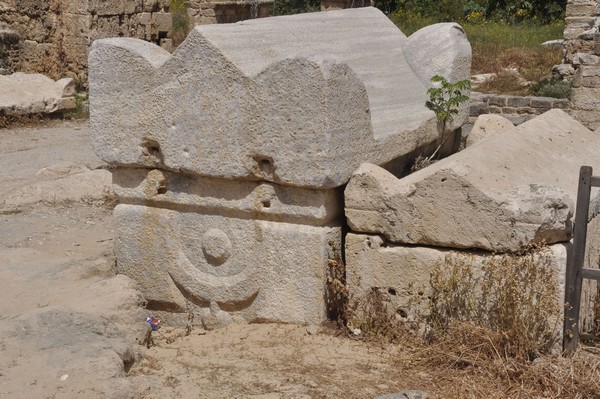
444	100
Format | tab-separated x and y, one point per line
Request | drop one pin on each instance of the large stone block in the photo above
291	100
589	118
228	268
505	192
230	250
403	273
585	98
487	126
587	9
240	199
439	49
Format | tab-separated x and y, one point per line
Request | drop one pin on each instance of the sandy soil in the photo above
70	328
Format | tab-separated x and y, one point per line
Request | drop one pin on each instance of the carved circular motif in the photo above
216	246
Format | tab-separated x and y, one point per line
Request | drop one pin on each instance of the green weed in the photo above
551	87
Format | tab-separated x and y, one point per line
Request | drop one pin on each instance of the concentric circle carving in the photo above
216	246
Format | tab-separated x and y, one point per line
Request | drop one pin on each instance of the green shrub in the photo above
551	87
288	7
506	11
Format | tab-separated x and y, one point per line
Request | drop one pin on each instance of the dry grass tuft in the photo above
9	120
491	330
370	318
513	295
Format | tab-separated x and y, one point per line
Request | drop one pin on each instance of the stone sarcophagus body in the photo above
231	154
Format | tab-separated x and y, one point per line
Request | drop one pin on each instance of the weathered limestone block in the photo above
585	98
439	49
581	9
265	99
506	191
401	272
590	118
22	93
241	199
236	250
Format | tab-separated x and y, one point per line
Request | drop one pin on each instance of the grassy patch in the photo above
497	46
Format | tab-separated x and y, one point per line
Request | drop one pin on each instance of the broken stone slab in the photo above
297	100
403	272
22	93
505	192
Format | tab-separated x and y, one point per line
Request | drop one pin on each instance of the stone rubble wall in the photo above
582	20
582	61
517	109
55	36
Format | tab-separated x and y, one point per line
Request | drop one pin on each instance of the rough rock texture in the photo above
22	93
506	191
238	250
489	125
264	99
234	269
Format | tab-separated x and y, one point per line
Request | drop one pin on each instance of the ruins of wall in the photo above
55	35
582	59
517	109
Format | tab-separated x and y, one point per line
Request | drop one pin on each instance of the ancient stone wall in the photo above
582	61
517	109
55	36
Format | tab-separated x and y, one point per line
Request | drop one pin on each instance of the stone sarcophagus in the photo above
231	153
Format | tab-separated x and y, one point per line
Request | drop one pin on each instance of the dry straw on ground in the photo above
491	328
